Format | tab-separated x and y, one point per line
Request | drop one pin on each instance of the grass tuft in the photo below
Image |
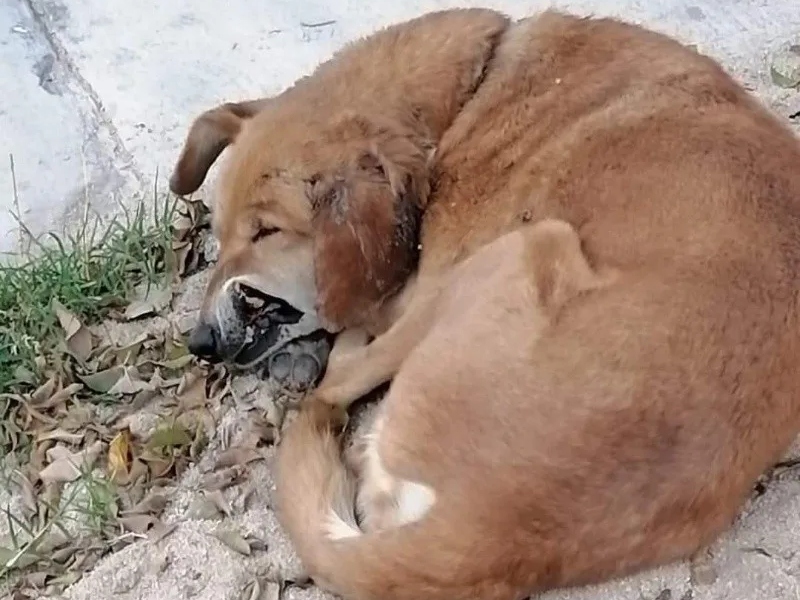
88	273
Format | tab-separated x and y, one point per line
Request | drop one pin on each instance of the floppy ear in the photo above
366	231
209	135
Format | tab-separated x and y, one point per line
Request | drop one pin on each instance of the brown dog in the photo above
541	437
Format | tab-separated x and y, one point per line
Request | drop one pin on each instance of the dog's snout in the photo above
203	342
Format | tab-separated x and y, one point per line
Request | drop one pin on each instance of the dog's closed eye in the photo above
264	232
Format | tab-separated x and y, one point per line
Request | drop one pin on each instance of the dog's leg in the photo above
361	369
346	343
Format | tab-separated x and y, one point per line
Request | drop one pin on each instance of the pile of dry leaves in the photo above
88	470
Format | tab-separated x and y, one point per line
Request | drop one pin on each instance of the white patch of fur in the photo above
385	501
337	529
413	501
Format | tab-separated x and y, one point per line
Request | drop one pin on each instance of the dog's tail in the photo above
315	497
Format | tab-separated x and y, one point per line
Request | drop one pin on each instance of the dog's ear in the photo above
366	224
208	136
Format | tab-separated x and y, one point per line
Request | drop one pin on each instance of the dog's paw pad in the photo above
300	364
280	366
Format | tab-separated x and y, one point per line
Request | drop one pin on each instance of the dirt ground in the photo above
201	557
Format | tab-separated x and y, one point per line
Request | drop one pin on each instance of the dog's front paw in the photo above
299	364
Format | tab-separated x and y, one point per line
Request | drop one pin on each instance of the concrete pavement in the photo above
97	95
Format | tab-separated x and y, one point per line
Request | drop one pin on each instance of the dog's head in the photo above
315	220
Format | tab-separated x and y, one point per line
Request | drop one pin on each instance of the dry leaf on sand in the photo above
232	540
203	508
67	466
237	455
159	531
261	590
222	479
154	503
137	523
149	299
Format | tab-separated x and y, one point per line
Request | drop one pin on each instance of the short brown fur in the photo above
630	429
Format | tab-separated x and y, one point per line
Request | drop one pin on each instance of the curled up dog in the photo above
586	299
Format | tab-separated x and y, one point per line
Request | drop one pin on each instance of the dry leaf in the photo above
66	580
127	354
169	436
158	466
119	454
79	416
237	455
44	391
219	501
60	435
61	396
78	338
784	67
272	591
103	381
24	375
199	443
66	466
222	479
159	531
251	591
258	590
177	364
701	568
232	540
62	555
137	523
256	544
148	299
203	508
37	580
154	503
129	382
191	393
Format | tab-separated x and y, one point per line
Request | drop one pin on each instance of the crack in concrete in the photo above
39	16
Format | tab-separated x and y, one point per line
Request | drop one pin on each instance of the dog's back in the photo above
660	399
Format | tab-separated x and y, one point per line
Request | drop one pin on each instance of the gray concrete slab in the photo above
58	150
97	94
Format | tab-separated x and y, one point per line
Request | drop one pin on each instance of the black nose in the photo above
203	341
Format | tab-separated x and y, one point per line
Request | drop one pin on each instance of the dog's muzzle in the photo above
251	329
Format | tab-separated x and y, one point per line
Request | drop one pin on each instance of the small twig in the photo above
318	24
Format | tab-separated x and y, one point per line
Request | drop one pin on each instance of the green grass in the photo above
88	273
